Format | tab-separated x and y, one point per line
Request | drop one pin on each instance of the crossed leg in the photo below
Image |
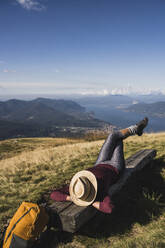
112	151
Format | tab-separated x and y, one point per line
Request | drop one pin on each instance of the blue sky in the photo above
81	46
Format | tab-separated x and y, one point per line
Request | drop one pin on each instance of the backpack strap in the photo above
3	235
17	223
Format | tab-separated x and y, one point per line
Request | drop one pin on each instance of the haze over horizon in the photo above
82	47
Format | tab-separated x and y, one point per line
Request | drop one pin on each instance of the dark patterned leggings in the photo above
112	151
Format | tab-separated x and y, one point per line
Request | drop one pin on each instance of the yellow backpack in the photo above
25	226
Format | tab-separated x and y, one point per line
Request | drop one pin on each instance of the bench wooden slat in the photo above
134	163
60	206
72	217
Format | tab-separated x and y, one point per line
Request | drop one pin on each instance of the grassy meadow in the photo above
30	167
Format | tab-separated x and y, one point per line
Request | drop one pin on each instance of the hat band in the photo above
85	186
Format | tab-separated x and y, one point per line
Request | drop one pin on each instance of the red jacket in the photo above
106	175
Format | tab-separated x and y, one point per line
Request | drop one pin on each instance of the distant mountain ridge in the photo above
105	101
153	109
14	106
43	117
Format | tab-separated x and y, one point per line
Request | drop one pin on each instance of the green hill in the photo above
33	166
44	117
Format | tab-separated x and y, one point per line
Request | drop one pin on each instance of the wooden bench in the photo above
72	217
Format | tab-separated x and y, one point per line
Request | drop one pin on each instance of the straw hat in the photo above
83	188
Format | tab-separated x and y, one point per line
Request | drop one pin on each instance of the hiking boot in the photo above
141	125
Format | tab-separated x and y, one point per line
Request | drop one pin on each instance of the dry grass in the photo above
141	223
12	147
56	157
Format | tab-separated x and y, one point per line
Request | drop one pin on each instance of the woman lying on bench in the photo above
90	186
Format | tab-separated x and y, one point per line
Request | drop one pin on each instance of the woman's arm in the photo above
56	195
61	194
105	206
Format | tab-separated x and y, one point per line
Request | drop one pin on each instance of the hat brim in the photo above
93	182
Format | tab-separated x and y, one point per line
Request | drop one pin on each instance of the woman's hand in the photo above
68	198
96	205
